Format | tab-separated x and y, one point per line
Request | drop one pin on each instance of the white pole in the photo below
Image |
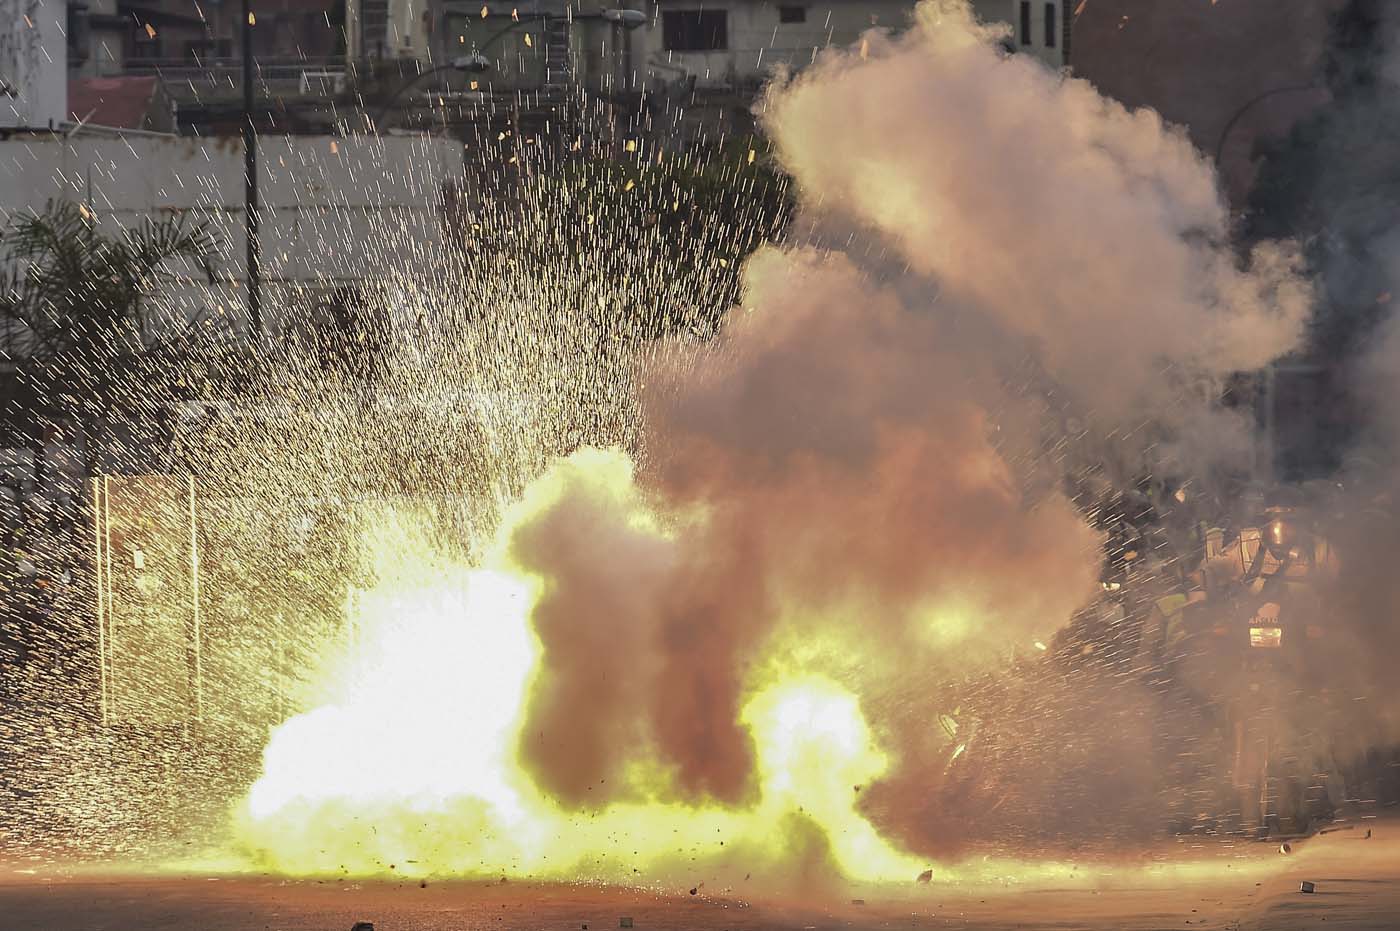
101	603
110	659
194	589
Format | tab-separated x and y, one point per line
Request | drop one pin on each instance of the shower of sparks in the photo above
300	631
488	352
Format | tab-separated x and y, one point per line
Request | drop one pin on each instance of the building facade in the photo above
331	207
33	65
742	42
714	44
319	62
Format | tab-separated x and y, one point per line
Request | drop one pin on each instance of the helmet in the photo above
1284	524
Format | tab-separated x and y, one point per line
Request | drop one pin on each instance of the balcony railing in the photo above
197	78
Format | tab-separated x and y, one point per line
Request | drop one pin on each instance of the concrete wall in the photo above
335	210
33	63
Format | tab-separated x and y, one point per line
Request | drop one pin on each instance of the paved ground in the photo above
1250	888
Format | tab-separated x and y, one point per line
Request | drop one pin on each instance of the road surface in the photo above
1248	887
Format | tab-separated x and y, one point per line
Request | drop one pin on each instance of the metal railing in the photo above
319	77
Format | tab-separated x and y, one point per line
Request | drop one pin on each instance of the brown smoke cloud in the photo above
826	460
850	465
1095	234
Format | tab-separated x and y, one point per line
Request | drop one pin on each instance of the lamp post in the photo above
250	180
475	63
1249	105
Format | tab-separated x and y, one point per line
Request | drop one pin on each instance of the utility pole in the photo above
250	180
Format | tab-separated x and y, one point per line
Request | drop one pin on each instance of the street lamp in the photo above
1249	105
474	63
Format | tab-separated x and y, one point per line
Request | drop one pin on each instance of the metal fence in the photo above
319	77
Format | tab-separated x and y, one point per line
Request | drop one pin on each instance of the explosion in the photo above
431	721
731	607
621	559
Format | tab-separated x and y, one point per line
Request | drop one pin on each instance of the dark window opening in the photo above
695	30
144	46
792	14
1025	22
1050	28
79	34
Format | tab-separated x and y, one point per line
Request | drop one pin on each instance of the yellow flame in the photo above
411	762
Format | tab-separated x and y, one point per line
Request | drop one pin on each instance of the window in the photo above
792	14
143	44
1025	22
1050	25
695	30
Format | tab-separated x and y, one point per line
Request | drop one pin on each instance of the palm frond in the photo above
157	242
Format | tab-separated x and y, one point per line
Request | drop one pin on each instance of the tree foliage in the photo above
666	234
81	326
